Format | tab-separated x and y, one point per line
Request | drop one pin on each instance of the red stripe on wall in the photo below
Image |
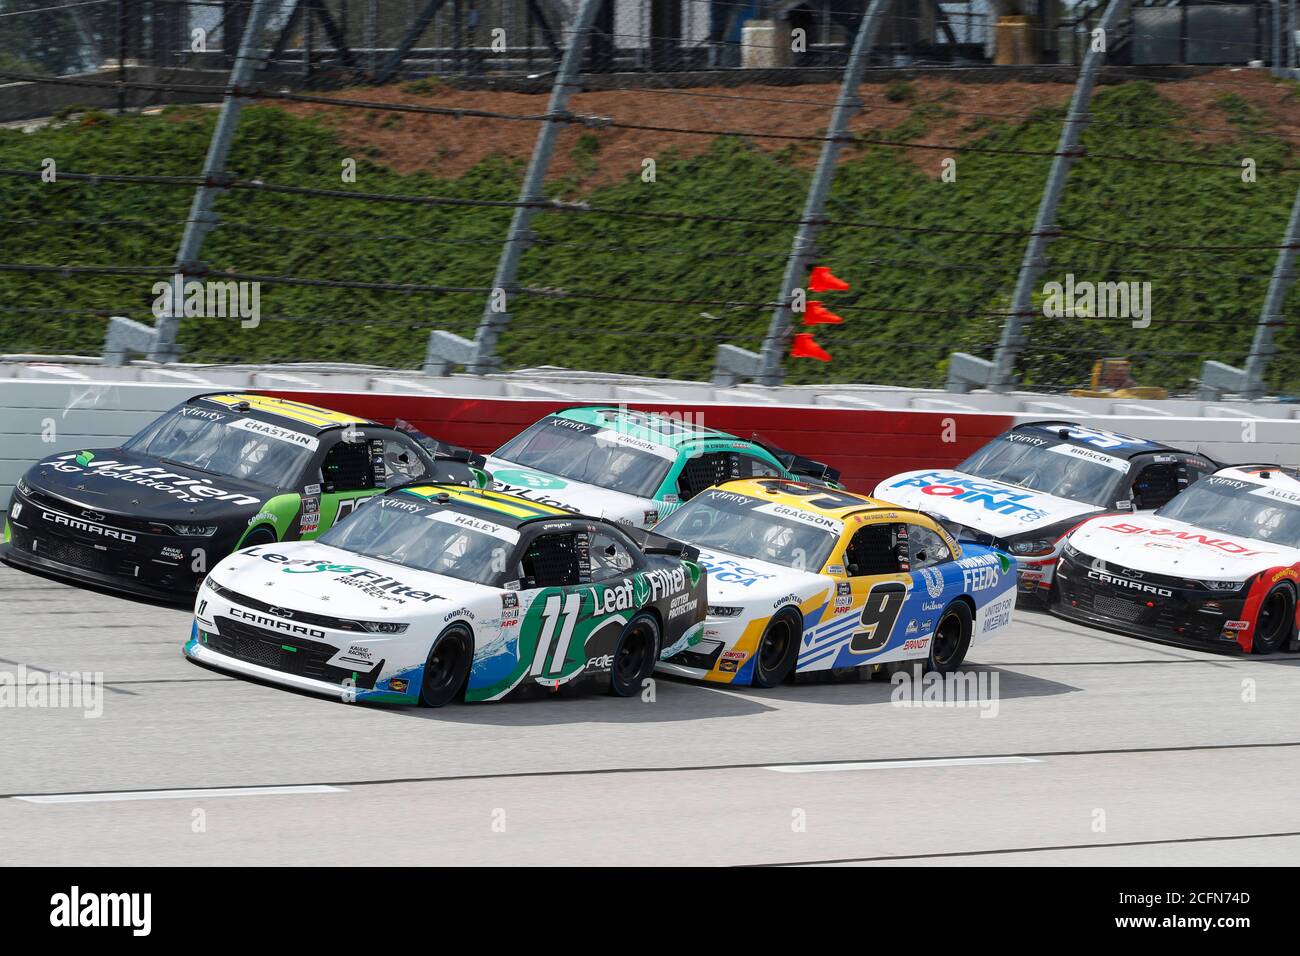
866	445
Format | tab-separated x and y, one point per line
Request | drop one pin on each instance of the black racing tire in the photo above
446	670
778	650
259	535
951	639
635	655
1275	622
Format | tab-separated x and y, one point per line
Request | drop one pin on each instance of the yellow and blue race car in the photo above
805	578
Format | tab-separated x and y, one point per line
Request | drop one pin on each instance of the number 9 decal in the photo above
879	616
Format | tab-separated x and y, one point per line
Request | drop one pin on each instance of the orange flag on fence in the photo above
806	347
823	280
818	314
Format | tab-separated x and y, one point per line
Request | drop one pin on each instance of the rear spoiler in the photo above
652	543
802	467
439	449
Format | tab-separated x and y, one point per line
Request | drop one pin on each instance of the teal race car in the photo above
634	467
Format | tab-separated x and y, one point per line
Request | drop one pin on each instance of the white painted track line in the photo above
109	797
899	764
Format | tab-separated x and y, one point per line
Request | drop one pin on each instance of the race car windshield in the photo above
215	445
1237	508
736	528
583	453
1038	469
416	539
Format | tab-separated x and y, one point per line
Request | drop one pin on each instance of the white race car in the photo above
433	591
1025	490
1219	566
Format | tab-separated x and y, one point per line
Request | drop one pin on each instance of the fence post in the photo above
479	356
964	370
733	362
201	219
1219	377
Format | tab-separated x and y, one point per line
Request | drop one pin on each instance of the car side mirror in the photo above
852	569
920	556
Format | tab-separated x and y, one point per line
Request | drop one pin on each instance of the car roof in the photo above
761	488
299	416
640	425
509	510
1264	475
1117	445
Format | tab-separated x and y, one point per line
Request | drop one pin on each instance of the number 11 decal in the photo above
566	619
879	615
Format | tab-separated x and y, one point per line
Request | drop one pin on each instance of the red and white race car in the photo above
1218	566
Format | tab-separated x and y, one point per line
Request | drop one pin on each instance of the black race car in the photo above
217	473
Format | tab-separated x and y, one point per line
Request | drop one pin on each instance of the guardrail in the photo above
867	433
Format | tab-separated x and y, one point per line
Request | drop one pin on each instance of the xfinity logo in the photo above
1104	578
287	626
76	524
74	909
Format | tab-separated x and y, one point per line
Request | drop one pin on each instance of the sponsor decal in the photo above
1088	454
309	523
461	613
1104	577
86	527
526	480
730	571
997	615
371	582
262	516
172	554
399	504
916	644
399	685
933	581
311	490
980	579
912	626
359	650
278	432
482	526
682	604
156	478
1236	625
604	662
734	655
1277	494
1192	537
843	597
1287	573
778	510
788	599
263	620
973	492
728	667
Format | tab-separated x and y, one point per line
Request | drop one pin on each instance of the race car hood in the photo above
746	582
992	507
1163	546
309	575
576	496
119	482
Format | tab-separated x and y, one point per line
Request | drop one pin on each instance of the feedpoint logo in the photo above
527	479
933	582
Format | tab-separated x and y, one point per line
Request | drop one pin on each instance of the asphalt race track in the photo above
1104	750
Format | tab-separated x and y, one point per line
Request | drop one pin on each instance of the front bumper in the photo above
304	650
49	538
719	656
1183	616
